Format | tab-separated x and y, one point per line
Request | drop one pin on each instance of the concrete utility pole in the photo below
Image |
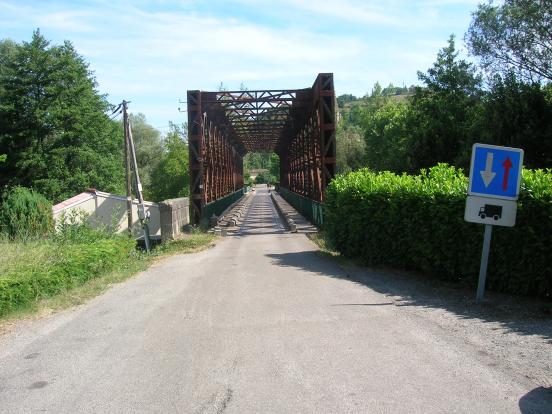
127	167
141	207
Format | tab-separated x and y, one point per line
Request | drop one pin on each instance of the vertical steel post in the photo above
196	145
484	262
326	106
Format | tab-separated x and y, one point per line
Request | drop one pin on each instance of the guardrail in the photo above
218	206
310	209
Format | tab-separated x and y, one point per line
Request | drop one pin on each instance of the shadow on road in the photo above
516	314
536	401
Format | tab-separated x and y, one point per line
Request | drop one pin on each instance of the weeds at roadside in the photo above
76	282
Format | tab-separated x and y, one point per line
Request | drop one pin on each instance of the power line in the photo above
116	115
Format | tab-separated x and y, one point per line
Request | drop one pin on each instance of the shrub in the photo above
74	227
417	223
67	265
25	214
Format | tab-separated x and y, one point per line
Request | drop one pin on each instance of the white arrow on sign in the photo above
488	175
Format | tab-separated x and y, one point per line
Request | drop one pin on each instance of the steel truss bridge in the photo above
297	124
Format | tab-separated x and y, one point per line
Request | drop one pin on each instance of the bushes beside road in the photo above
41	269
417	223
55	267
38	263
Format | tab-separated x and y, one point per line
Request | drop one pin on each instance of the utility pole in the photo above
141	207
128	175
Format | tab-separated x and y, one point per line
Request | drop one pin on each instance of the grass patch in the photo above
319	238
191	243
40	277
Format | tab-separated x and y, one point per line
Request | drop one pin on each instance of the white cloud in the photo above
151	54
71	21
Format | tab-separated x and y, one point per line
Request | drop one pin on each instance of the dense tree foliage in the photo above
170	177
518	114
269	161
386	137
351	148
515	35
53	123
442	111
343	99
441	120
149	148
256	161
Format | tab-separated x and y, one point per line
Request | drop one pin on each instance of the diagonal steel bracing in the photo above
298	124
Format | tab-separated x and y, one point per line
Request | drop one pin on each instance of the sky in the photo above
152	52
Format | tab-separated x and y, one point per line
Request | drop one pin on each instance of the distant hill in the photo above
348	103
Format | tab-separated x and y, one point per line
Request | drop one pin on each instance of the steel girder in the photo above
298	124
307	152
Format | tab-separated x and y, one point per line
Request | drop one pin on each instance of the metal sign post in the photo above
484	262
495	177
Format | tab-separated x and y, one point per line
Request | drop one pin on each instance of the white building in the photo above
105	209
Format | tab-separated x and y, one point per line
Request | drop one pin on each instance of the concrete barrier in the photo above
174	215
288	220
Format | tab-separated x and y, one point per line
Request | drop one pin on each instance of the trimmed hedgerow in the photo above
59	267
417	223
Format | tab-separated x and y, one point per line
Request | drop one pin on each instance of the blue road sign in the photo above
495	171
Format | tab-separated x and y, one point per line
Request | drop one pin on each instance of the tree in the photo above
351	148
364	106
265	177
257	160
515	35
274	168
519	114
170	177
386	137
343	99
148	146
53	123
8	48
451	75
442	113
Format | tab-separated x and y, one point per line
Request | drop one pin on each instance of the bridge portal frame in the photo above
298	124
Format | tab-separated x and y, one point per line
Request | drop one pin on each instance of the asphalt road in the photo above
258	324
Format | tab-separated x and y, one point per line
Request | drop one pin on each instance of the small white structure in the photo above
105	209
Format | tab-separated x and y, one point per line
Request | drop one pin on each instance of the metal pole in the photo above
484	262
128	176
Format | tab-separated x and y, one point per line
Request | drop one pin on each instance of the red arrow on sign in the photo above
507	164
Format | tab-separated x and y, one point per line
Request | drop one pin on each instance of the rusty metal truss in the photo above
298	124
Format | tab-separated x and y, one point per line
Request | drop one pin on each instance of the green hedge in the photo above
417	223
67	265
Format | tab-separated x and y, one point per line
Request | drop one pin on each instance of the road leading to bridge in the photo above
258	324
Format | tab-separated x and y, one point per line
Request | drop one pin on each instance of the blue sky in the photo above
152	52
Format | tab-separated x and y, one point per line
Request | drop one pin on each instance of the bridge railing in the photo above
218	206
310	209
